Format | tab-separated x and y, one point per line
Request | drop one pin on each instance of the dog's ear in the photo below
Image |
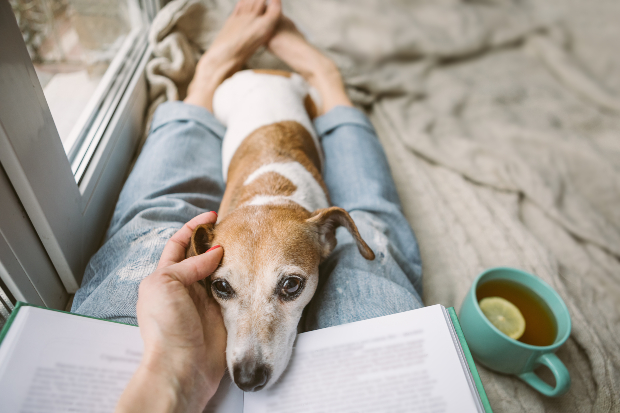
327	220
201	240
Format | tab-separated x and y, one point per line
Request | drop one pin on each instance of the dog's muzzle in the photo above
251	375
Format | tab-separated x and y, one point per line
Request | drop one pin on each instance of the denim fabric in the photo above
178	176
359	180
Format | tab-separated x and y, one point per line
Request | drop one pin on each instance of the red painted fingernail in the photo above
213	248
213	212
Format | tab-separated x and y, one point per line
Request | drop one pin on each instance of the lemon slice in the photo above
504	315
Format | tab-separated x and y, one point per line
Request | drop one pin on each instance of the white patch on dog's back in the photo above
309	194
248	100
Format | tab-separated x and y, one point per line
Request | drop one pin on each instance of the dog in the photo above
275	221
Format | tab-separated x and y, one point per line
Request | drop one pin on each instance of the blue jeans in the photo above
178	175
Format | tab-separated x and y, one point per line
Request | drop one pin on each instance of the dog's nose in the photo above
250	375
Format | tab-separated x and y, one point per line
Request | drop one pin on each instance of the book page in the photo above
56	362
405	362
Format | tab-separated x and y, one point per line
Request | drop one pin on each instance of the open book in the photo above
416	361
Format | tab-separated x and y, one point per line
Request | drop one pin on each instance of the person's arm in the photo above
159	387
182	329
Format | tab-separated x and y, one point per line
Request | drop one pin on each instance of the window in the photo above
72	100
81	51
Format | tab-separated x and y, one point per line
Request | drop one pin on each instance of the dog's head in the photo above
269	273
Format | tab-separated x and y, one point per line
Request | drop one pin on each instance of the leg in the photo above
290	45
359	180
177	175
358	177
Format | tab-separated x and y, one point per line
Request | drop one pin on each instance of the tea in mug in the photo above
540	324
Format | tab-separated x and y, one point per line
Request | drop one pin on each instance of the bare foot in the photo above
249	26
292	47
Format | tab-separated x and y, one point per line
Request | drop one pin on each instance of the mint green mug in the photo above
497	351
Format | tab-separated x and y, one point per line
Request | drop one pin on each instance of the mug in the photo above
498	352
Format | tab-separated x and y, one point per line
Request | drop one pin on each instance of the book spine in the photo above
9	321
470	361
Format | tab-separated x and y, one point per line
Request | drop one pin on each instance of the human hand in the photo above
182	329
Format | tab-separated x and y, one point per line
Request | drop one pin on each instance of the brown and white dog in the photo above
275	225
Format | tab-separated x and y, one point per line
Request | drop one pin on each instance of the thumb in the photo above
198	267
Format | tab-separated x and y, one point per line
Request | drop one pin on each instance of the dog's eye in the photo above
290	287
222	289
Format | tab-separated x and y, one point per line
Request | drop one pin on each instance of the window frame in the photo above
68	215
106	99
25	269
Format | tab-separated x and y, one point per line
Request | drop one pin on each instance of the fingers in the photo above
196	268
175	248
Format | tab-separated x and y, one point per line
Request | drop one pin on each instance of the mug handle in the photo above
562	377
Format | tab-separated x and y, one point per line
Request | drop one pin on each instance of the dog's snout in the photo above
250	375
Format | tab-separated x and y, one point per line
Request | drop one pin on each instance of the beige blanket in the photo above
501	121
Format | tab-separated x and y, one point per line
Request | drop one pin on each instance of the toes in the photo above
237	8
257	6
243	6
274	9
